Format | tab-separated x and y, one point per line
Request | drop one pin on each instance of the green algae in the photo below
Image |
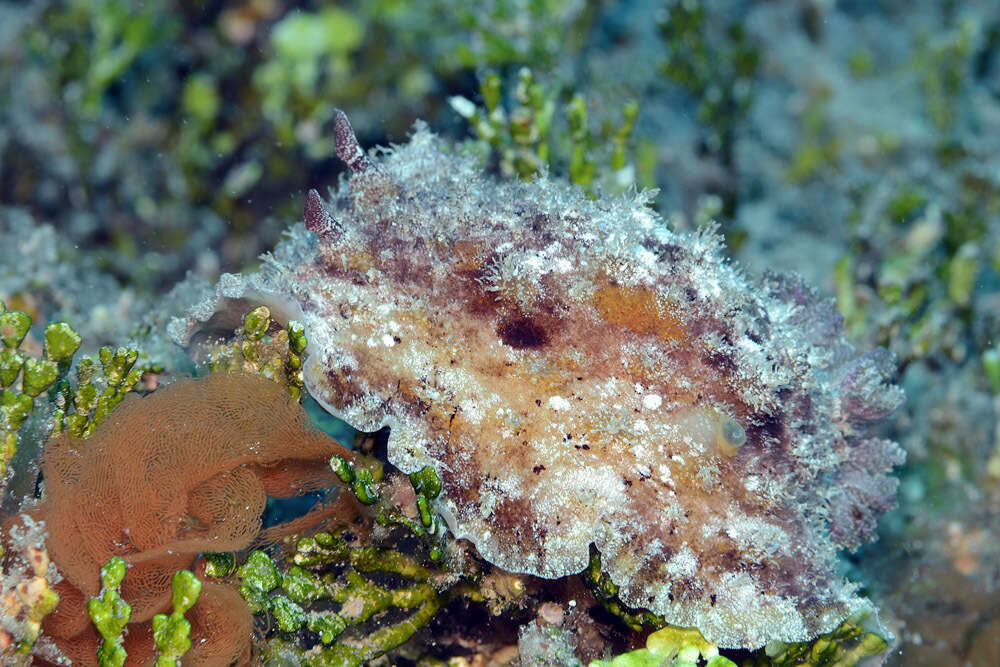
263	348
527	137
110	614
172	632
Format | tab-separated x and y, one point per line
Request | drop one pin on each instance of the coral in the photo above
541	645
26	594
166	477
576	373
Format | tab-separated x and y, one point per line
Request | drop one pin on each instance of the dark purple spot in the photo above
522	333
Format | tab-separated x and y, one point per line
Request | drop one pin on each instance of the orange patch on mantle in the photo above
638	309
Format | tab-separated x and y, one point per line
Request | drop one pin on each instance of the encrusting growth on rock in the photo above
183	471
578	374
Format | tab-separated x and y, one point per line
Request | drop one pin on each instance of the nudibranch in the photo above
578	374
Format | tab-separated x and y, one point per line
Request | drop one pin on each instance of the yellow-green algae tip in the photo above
671	647
277	357
574	372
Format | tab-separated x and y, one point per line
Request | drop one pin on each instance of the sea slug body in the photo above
578	374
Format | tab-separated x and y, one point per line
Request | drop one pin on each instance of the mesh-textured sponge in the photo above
183	471
219	628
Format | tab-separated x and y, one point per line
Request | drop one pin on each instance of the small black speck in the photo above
569	436
628	482
537	469
670	596
585	446
538	402
712	598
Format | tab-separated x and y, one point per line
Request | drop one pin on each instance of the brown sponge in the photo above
183	471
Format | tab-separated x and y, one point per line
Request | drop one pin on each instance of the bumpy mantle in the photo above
578	374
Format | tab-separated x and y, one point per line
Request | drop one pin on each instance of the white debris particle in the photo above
683	564
388	340
471	410
652	401
558	403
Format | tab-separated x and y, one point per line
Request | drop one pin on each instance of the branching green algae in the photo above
172	632
344	568
527	139
110	614
36	375
256	349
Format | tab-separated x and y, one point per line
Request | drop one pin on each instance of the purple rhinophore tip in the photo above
346	144
317	219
